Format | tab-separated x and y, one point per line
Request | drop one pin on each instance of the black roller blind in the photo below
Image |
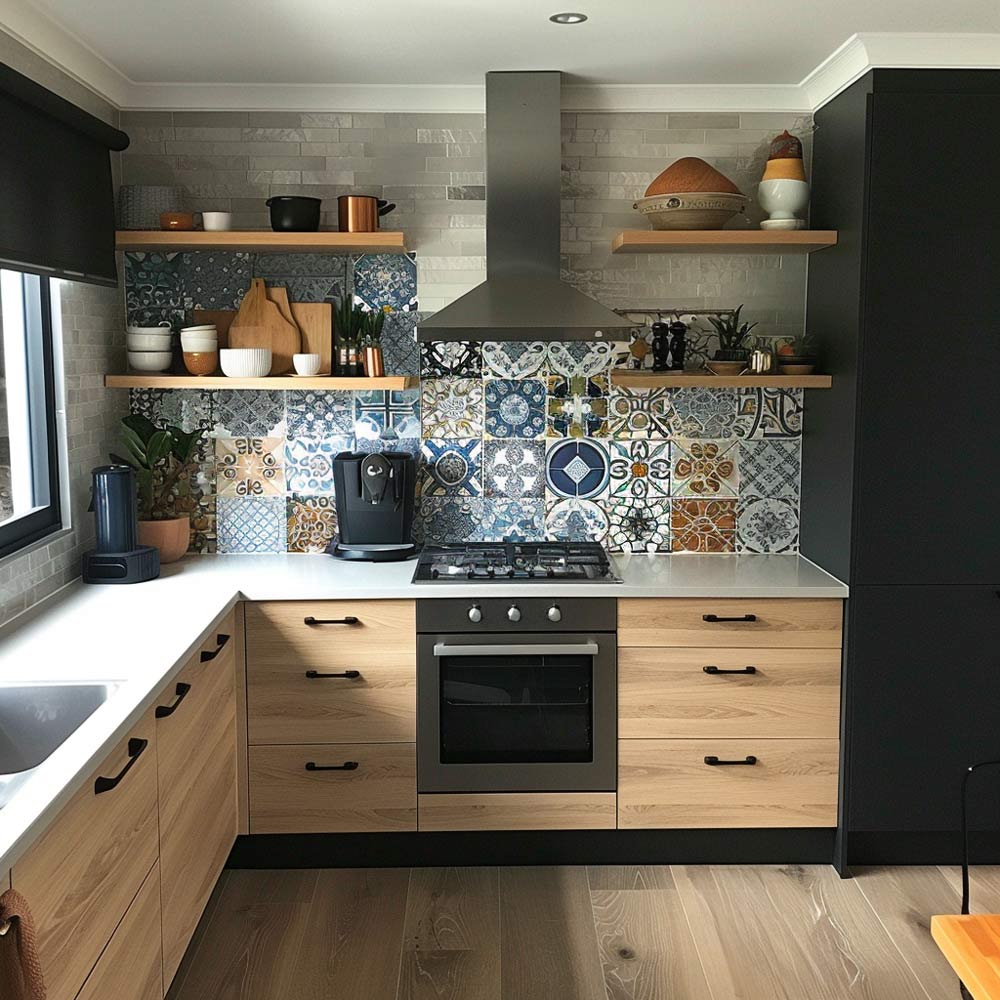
57	212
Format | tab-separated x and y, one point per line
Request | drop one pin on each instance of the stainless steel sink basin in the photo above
35	719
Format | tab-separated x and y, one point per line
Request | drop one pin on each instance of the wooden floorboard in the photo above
603	933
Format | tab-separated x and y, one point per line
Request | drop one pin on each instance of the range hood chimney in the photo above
523	297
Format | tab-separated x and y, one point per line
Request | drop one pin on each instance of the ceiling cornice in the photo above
853	59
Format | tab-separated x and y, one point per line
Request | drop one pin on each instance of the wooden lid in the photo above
690	173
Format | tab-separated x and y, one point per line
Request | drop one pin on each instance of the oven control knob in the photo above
514	613
475	613
554	614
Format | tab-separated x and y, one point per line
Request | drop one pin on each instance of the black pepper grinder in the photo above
678	345
661	346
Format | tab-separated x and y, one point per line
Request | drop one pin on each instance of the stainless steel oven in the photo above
516	695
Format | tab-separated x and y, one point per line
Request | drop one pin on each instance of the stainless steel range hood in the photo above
523	297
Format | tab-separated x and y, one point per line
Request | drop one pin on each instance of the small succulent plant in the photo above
734	338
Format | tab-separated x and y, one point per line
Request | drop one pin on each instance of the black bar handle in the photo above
349	620
712	669
212	654
749	760
348	765
162	711
351	675
722	618
135	748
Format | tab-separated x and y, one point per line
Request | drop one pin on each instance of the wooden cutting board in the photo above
222	318
315	323
259	323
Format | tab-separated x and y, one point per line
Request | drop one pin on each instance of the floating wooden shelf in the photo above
700	380
263	240
722	241
271	383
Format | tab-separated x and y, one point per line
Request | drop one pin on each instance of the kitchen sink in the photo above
36	719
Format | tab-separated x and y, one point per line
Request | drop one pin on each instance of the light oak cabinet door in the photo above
517	811
81	876
130	968
331	672
196	756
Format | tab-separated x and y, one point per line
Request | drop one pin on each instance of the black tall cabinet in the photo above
901	462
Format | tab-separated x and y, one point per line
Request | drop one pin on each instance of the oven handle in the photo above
535	649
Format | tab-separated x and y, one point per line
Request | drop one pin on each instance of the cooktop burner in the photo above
502	562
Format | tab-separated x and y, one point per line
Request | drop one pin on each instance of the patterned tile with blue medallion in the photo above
251	524
443	520
513	520
515	408
319	413
578	469
452	468
386	279
513	469
391	414
309	463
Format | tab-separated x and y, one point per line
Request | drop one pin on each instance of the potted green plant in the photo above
734	343
349	321
374	323
159	456
797	355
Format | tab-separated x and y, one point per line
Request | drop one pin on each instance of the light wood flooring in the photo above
625	933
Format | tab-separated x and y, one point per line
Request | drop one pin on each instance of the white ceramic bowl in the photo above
150	361
690	209
216	221
198	342
162	328
245	362
204	328
148	341
306	364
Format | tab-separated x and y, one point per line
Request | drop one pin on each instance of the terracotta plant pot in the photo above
171	537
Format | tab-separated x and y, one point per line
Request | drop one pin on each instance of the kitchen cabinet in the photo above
196	767
83	873
518	811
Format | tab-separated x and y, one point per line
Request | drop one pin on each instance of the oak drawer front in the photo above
86	869
331	683
769	622
379	793
665	784
130	968
680	692
518	811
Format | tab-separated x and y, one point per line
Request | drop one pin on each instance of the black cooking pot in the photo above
292	213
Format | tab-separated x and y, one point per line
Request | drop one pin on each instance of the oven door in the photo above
516	712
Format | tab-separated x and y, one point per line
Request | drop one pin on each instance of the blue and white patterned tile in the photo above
514	469
515	408
153	281
577	406
400	351
513	521
320	413
305	265
639	413
771	467
386	279
439	358
452	407
309	463
188	409
392	415
251	524
638	525
703	413
410	445
444	520
584	358
573	520
577	468
766	524
214	279
452	468
514	359
769	413
249	413
640	469
313	288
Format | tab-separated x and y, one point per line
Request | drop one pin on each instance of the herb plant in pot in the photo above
372	358
797	356
160	456
734	344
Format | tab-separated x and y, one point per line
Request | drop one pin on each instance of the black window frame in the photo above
20	532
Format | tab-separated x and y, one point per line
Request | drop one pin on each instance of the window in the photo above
29	457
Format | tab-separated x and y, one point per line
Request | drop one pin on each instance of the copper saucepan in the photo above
359	213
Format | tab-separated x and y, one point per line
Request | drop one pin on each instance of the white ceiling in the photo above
163	47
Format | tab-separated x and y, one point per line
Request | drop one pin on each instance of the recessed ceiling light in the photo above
568	17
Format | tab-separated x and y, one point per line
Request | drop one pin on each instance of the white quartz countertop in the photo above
140	636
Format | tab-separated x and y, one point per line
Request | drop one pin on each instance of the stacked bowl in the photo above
200	346
149	348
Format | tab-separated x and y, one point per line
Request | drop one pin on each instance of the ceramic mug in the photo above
216	222
306	364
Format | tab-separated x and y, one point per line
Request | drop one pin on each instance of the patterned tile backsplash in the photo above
513	440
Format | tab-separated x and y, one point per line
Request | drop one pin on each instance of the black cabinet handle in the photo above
135	748
349	620
212	654
720	618
162	711
348	765
351	675
715	762
712	669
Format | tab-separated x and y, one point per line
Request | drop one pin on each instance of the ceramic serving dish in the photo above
150	361
148	341
691	210
245	362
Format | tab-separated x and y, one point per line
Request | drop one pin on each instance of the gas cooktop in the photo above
501	562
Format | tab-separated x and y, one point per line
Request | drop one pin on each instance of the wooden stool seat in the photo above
972	946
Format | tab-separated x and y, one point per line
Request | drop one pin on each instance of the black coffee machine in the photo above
118	558
374	494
